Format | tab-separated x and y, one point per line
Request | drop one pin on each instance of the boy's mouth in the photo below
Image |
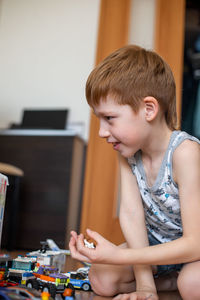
116	145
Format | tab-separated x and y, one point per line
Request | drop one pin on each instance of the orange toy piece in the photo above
45	295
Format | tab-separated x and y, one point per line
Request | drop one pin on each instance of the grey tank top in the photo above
161	201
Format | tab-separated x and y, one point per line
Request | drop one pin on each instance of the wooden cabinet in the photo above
50	190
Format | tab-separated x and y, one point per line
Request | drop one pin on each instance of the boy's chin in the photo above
127	155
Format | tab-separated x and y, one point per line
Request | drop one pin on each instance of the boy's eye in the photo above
108	118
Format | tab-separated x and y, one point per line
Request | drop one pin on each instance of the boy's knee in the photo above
102	283
189	286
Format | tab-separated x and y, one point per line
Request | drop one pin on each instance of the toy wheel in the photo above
86	287
70	286
33	284
52	290
46	289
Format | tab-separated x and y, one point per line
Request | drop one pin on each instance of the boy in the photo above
132	92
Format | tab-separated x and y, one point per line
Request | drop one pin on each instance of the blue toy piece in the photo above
79	280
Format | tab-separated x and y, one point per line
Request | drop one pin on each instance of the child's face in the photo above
121	126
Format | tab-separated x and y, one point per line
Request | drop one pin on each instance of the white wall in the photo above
47	50
142	23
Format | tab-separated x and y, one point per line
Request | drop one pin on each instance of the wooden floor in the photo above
81	295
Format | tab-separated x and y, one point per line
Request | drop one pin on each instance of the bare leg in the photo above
110	280
189	281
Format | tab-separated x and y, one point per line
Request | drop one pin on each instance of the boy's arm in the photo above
186	164
132	221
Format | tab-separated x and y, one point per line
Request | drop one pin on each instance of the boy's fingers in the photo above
94	235
80	243
74	234
77	248
74	253
72	244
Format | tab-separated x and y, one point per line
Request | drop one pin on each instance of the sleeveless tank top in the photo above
161	201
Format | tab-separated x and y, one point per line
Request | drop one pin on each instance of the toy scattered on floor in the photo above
50	254
48	279
45	296
6	294
41	271
69	294
79	280
28	272
88	244
5	264
26	293
22	269
54	247
7	283
83	270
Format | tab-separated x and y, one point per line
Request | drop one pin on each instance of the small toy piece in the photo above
88	244
7	283
44	247
45	296
68	294
5	264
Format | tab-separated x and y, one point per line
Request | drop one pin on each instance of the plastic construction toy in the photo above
50	254
5	294
83	270
26	293
88	244
69	294
7	283
48	279
5	264
22	269
79	280
45	296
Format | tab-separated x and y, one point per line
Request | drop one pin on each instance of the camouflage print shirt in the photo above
161	201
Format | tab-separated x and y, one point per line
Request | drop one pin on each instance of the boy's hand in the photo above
140	295
104	252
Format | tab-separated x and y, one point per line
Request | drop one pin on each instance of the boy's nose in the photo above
103	132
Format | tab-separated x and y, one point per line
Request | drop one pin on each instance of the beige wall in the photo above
47	49
142	23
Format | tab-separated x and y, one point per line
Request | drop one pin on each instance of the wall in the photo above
47	51
142	23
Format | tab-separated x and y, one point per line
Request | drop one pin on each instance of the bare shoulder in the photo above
186	150
186	158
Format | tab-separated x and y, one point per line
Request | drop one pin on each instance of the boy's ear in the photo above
151	107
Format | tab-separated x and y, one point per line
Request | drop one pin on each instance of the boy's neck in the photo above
157	142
